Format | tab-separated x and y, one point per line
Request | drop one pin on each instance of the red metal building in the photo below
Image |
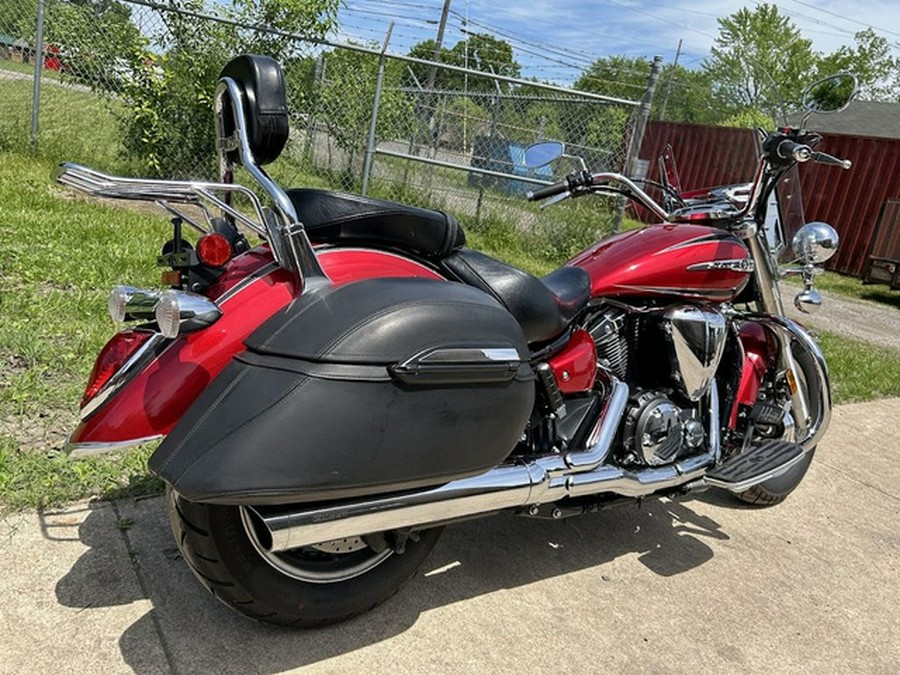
852	201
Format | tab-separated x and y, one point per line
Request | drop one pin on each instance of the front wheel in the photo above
310	586
776	490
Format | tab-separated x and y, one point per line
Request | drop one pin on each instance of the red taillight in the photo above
213	249
111	358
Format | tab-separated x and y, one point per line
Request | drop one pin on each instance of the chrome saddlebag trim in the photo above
80	450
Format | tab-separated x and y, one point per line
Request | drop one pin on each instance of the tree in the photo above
96	39
876	70
18	18
759	60
346	96
618	76
168	123
687	96
480	51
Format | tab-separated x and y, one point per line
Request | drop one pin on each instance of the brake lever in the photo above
555	199
825	158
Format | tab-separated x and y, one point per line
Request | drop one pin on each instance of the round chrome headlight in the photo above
815	242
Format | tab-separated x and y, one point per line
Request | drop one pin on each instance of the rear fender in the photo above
250	291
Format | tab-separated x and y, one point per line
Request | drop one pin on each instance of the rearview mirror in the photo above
540	154
831	94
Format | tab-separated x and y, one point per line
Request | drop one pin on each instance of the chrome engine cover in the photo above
656	430
695	337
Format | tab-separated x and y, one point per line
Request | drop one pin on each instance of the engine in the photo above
668	357
656	430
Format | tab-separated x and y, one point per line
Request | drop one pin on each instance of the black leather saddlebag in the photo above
374	387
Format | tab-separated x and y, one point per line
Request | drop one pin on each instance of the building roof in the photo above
861	118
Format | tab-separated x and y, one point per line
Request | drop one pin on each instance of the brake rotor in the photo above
345	545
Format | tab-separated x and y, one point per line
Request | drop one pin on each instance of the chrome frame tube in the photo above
288	239
283	205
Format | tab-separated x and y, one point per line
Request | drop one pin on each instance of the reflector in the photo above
213	249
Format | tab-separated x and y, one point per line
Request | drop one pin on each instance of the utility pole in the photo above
637	134
662	110
430	100
429	85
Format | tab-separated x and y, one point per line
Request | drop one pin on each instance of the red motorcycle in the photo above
332	398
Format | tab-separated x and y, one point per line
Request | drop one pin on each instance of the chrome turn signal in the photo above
128	302
808	301
179	312
118	298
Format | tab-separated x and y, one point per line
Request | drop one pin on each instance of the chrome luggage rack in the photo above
279	225
164	193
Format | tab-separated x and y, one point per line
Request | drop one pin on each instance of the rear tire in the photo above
312	586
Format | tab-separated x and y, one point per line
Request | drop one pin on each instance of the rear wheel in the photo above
311	586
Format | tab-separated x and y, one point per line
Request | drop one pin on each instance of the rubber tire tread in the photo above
215	546
776	490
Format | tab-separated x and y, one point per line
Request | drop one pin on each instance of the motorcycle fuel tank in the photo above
678	260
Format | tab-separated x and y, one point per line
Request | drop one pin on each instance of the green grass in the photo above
860	371
852	287
73	124
38	479
59	256
26	69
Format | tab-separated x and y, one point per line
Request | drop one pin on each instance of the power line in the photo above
846	18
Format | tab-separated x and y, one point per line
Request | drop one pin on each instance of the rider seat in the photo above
543	307
335	217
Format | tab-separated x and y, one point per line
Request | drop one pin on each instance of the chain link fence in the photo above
127	87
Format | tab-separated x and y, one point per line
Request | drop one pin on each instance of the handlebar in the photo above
547	191
799	152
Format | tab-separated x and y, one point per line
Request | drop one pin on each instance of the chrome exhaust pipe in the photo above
542	481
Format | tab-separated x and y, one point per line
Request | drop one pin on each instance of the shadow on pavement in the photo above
471	560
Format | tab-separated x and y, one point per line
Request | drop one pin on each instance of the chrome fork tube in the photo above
766	277
770	303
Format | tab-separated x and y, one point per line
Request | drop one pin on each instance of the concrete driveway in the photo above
699	585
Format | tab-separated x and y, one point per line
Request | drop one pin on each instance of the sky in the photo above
555	44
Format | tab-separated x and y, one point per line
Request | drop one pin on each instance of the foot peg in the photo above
754	466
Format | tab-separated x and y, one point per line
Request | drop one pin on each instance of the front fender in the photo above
808	357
